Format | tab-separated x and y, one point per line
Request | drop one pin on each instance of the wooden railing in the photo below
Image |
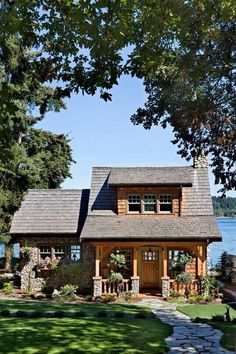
180	288
108	288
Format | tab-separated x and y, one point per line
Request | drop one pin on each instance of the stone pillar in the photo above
135	285
165	287
27	272
208	260
165	262
97	286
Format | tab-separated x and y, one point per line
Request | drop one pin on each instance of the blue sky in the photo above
102	135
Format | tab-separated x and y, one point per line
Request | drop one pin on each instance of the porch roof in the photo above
143	227
50	212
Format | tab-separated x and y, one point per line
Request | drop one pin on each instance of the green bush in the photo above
109	298
128	296
48	289
68	290
2	281
174	294
8	288
88	298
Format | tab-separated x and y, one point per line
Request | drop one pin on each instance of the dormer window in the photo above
149	203
134	203
165	203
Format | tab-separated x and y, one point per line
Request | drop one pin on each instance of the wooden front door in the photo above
150	269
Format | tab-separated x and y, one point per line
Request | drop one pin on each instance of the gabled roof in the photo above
139	176
51	211
147	227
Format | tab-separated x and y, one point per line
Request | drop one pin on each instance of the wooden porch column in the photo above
165	262
135	262
97	261
204	263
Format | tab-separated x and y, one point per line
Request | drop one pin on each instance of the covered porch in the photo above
149	266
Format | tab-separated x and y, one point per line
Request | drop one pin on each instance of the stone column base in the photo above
135	285
165	287
97	286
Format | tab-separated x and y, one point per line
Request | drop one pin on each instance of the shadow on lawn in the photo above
82	336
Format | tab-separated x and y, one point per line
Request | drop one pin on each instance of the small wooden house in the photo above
150	214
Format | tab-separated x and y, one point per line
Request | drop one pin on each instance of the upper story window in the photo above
165	203
75	252
134	203
149	203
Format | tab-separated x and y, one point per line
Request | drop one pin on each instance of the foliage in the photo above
118	259
109	298
8	288
184	50
226	266
224	206
175	294
68	290
199	299
185	258
48	289
115	278
208	285
67	273
26	250
184	278
128	296
88	298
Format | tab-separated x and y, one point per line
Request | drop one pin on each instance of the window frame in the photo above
155	204
70	252
163	203
142	204
128	203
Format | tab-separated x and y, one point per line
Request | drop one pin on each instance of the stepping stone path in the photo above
187	337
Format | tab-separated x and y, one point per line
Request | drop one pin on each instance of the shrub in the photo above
208	285
88	298
2	281
109	298
8	288
68	290
48	289
128	296
175	294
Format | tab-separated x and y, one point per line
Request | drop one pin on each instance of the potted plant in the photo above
186	279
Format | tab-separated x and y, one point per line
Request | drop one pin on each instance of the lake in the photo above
228	231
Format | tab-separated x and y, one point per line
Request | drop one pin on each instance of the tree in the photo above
184	51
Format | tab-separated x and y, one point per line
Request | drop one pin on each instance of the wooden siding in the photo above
124	192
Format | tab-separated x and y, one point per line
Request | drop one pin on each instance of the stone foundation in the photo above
97	286
135	284
165	287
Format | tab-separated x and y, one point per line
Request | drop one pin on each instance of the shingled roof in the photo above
139	176
57	211
147	227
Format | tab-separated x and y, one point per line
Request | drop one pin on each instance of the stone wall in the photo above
80	273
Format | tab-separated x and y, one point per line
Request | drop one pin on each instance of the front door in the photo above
150	269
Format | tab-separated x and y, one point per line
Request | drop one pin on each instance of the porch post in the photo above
97	280
165	280
135	277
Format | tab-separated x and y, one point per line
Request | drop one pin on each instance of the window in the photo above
134	203
165	203
149	203
150	255
75	252
175	265
59	252
45	252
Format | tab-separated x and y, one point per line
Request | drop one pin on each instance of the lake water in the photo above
228	231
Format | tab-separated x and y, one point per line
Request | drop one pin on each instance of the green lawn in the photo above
228	339
81	335
205	311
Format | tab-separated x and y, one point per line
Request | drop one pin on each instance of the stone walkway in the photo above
187	337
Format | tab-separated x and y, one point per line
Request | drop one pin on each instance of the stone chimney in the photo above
200	159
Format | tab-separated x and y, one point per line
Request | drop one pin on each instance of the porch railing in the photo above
108	288
180	288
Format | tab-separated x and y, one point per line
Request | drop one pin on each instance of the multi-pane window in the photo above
45	252
150	255
175	265
134	203
75	252
59	252
165	203
149	203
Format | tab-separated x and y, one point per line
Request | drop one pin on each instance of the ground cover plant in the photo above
90	334
215	311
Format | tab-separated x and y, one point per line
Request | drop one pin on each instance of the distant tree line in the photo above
224	206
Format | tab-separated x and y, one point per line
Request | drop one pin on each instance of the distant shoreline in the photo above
225	217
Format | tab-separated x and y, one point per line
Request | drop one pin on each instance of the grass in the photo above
228	339
81	335
205	311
